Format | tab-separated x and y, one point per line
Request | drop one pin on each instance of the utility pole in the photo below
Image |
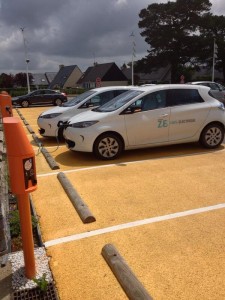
133	56
26	59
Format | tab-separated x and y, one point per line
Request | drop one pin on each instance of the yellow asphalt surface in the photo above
174	258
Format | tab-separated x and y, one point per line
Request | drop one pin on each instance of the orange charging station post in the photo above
5	105
22	171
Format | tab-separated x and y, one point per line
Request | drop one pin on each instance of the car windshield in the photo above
79	98
118	101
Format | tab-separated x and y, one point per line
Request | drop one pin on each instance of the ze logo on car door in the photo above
162	123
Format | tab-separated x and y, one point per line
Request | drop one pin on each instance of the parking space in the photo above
163	208
176	259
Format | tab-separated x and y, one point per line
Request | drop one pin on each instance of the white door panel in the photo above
148	127
185	120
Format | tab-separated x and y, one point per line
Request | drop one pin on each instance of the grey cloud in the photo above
71	32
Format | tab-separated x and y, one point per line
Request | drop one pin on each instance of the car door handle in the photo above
164	115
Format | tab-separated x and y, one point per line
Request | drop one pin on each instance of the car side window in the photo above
102	98
183	97
154	100
37	93
94	100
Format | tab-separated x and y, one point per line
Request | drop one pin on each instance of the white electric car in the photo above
51	122
147	117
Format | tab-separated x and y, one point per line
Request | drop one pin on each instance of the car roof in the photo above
198	82
107	88
44	90
171	86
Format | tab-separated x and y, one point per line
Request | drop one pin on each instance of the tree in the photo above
6	81
20	79
171	30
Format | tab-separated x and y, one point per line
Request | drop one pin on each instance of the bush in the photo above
74	91
14	222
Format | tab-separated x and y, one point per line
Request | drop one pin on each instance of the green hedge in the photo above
73	91
15	92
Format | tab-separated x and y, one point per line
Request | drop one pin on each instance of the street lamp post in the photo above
26	59
133	55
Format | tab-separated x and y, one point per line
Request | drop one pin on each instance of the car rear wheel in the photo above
212	136
58	102
108	146
25	103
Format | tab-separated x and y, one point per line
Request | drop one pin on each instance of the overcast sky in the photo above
72	32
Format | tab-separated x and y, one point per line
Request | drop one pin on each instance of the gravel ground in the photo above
19	280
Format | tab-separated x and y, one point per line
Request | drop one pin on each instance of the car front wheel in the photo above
58	102
25	103
212	136
108	146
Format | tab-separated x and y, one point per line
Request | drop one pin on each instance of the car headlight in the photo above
83	124
49	116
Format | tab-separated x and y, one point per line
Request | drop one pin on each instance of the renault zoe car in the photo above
148	117
51	122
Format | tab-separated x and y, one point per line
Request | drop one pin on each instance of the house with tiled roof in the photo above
42	80
66	77
50	76
107	74
157	75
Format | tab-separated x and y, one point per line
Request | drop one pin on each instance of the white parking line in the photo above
124	163
79	170
84	235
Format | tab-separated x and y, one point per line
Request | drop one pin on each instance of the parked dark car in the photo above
40	97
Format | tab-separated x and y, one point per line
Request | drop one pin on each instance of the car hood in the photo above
18	98
89	115
57	109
